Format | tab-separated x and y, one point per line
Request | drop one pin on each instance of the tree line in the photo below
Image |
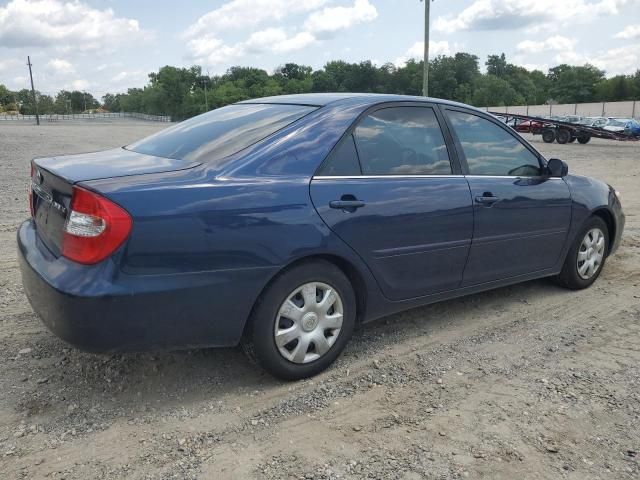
185	92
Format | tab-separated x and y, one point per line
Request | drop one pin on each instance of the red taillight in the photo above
95	227
31	191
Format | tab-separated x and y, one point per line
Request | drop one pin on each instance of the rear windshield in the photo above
220	132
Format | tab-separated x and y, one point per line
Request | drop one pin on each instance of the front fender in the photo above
594	197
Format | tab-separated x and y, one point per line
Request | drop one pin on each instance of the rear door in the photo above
521	215
394	193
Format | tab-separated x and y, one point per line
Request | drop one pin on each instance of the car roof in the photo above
322	99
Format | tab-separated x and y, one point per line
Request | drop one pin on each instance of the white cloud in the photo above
18	83
630	32
518	14
80	84
204	45
416	51
277	41
554	43
7	64
69	26
616	61
60	66
238	14
331	19
296	42
123	80
213	51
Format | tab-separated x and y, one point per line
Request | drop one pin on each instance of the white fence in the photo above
630	109
84	116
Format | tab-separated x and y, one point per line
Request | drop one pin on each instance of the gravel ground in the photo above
529	381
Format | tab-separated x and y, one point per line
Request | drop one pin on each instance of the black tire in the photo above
584	139
569	277
548	135
259	342
563	136
572	139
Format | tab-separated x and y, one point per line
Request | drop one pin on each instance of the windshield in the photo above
221	132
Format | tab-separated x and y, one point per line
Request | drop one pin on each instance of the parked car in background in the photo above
279	223
596	122
572	119
529	126
628	126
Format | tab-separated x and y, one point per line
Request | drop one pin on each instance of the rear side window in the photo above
220	132
402	141
490	150
343	161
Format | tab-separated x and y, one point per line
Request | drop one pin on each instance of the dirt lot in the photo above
529	381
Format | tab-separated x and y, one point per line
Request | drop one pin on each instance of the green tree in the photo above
492	91
570	84
111	102
497	65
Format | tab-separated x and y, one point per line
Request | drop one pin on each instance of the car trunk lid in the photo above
117	162
53	178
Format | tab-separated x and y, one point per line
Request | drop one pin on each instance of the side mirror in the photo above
557	168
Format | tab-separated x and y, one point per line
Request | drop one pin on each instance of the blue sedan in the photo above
280	223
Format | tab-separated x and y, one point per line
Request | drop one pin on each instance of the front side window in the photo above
402	141
219	133
490	150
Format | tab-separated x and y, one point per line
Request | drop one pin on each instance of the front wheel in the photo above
584	139
302	321
586	256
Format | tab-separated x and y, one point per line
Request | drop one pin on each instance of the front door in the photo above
389	191
521	216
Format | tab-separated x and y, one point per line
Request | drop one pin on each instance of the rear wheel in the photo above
587	255
548	135
572	139
302	321
563	136
584	139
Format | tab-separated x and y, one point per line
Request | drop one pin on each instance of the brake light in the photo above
31	191
95	227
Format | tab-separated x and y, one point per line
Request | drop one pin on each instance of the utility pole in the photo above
84	98
206	100
33	92
425	74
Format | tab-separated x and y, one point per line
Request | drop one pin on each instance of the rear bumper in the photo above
97	308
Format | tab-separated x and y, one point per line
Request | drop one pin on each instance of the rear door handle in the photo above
486	199
346	204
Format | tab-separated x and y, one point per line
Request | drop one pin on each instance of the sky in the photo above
105	46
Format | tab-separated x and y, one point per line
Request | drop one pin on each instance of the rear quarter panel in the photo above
187	229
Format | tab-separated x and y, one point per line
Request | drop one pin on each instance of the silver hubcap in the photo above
590	253
308	322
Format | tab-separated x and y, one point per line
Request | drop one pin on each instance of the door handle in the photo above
348	203
486	199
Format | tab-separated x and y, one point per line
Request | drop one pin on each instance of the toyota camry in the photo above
281	223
